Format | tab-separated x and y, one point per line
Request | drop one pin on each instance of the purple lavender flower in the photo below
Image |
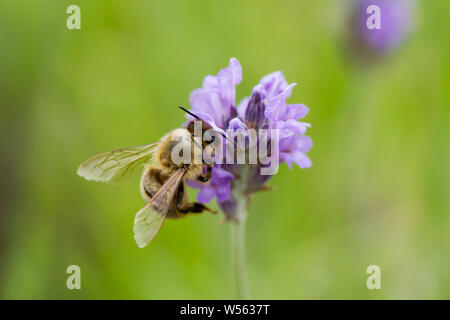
214	102
396	22
266	108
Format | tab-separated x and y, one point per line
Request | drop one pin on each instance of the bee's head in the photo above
199	127
203	130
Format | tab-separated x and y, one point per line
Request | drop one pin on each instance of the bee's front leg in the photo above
207	175
186	207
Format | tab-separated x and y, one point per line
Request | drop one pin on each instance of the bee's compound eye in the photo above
208	137
190	126
210	140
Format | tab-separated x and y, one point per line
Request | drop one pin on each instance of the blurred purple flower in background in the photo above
397	21
266	108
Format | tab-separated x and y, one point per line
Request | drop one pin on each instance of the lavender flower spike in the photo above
396	21
248	124
266	108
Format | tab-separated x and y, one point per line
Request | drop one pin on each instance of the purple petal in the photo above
206	194
242	107
219	186
290	127
227	79
298	158
235	71
223	193
193	183
275	106
274	83
206	101
221	175
210	82
303	144
236	124
293	149
295	111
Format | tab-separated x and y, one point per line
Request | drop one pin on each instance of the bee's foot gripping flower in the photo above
266	109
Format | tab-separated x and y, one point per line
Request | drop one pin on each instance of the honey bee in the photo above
162	182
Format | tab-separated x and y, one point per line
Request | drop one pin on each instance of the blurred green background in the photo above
378	191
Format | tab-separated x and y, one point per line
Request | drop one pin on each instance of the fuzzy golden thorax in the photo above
174	144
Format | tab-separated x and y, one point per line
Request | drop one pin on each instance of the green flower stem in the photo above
238	257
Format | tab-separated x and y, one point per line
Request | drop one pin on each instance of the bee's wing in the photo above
150	218
113	165
146	225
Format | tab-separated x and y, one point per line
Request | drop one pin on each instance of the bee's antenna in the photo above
188	112
226	137
198	118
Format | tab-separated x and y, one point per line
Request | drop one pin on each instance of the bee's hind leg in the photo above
194	207
190	207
